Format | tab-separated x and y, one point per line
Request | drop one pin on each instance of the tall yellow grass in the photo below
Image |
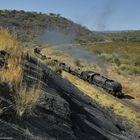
11	76
9	43
27	99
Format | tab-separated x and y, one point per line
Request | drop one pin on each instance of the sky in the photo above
97	15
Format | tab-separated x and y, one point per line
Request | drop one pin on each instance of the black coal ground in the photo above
64	114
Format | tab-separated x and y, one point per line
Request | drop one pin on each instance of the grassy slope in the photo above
104	100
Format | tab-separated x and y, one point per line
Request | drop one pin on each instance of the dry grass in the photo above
104	100
13	73
9	43
11	76
27	99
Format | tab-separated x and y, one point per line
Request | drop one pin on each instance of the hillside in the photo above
37	103
29	26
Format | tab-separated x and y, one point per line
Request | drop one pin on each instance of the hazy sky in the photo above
95	14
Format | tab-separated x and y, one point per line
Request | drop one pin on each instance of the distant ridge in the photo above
30	25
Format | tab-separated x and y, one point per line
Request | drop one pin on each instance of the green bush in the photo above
49	62
78	63
112	58
130	69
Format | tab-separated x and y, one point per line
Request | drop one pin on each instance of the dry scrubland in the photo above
125	56
25	99
123	64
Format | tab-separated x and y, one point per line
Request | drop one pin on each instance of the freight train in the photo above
111	86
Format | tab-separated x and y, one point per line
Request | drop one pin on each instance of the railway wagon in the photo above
75	72
70	70
37	50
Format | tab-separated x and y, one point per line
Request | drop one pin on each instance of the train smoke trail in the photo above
65	42
104	16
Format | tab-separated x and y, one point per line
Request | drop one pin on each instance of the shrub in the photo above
112	58
137	62
26	99
117	61
78	63
56	69
130	69
50	62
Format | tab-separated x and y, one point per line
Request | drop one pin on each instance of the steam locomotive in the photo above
111	86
